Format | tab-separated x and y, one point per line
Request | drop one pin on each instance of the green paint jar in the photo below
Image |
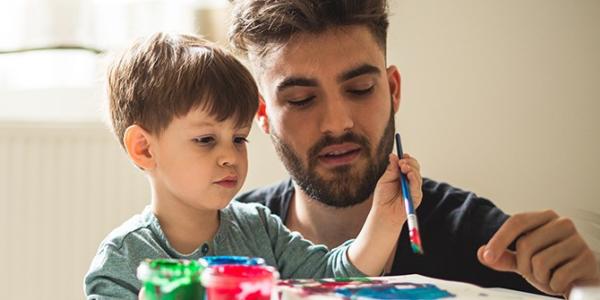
171	279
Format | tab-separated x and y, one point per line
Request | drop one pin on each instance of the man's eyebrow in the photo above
358	71
295	81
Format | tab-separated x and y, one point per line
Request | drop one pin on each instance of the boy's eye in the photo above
204	140
240	140
361	92
301	102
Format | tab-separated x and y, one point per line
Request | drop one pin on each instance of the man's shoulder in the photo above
276	197
443	196
280	190
451	208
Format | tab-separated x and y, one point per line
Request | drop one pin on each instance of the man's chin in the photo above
336	192
340	172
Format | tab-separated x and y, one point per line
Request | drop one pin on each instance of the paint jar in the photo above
226	282
232	260
169	279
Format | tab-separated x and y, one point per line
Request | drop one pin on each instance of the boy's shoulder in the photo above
245	211
249	216
134	235
113	268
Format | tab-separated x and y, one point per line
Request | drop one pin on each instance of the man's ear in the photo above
261	115
137	144
393	76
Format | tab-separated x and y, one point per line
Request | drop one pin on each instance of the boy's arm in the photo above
375	242
110	277
296	257
299	258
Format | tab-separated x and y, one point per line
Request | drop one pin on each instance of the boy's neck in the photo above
186	228
324	224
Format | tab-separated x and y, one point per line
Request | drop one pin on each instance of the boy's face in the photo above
329	110
200	162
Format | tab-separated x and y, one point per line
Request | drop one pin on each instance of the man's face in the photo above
329	110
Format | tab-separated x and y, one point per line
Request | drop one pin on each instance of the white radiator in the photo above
63	187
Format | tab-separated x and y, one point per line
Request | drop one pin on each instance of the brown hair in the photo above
260	24
165	76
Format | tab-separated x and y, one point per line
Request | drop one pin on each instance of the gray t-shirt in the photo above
245	229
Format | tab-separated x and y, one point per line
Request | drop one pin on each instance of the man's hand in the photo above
550	253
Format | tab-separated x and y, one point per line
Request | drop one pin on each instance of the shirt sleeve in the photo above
299	258
111	276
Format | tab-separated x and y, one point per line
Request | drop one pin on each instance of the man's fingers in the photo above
514	227
545	236
570	273
552	257
506	262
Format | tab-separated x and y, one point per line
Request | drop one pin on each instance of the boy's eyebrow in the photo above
358	71
203	124
295	81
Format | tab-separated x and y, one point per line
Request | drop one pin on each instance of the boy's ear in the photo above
261	115
137	144
394	82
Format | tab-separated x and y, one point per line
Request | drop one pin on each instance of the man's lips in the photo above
339	154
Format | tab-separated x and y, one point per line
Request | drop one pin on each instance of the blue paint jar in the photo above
231	260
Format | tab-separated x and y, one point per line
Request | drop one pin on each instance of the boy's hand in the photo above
550	253
375	243
388	192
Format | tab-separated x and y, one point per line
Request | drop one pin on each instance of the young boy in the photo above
182	109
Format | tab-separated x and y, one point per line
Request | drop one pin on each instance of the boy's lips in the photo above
339	154
228	181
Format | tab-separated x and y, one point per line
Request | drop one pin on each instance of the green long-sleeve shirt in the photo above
245	229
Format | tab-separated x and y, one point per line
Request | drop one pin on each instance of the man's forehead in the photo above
317	55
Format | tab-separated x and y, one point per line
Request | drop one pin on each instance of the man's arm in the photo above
549	253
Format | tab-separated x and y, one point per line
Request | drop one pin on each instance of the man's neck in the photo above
324	224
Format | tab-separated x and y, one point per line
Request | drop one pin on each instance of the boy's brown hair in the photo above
166	75
259	25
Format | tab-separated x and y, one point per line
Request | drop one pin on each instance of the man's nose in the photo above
336	117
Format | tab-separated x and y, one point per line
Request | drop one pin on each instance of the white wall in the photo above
502	98
499	97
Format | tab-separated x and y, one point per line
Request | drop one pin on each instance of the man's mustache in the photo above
348	137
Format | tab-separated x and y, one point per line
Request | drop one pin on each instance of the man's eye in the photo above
240	140
302	102
361	92
204	140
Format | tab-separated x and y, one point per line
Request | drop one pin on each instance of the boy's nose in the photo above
227	156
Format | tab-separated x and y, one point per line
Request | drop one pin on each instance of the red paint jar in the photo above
239	282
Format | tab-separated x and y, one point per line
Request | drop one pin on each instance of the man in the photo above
328	104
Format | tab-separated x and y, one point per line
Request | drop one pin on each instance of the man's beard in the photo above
348	187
